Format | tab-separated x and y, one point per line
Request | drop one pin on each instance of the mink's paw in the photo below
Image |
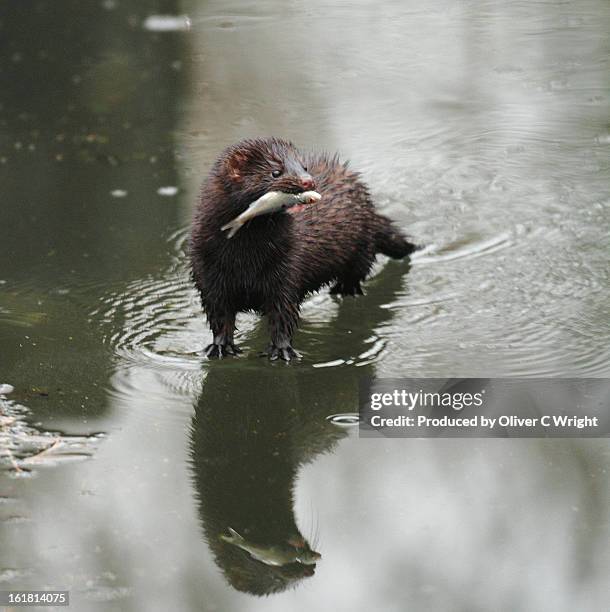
218	351
275	352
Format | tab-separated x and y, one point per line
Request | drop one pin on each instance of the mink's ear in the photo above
236	164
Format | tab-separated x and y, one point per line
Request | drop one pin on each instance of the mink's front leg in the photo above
223	328
283	318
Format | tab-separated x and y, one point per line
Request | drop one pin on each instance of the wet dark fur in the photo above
274	261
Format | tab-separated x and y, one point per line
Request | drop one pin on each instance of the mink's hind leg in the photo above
283	319
348	283
223	328
347	286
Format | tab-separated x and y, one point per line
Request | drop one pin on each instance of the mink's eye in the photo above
276	173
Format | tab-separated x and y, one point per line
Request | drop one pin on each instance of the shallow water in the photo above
481	128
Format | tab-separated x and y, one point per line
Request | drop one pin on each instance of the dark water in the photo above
482	128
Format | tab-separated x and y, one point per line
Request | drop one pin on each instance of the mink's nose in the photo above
307	182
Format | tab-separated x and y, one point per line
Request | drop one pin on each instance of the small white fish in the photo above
273	555
272	201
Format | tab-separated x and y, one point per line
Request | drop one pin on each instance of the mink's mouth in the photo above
293	190
288	206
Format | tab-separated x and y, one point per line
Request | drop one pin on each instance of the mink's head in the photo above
251	168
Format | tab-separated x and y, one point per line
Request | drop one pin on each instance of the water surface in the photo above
481	128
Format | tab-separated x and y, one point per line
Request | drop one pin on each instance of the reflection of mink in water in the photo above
274	261
246	455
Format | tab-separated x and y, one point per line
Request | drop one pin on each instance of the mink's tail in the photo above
390	241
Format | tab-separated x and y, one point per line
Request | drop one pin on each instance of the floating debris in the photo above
167	23
15	520
118	193
23	446
167	191
102	593
5	388
11	574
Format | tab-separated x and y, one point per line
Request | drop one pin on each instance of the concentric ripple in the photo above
522	302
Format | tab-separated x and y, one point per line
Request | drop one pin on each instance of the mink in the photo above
276	260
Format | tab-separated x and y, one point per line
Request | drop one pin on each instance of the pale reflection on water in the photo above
481	128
